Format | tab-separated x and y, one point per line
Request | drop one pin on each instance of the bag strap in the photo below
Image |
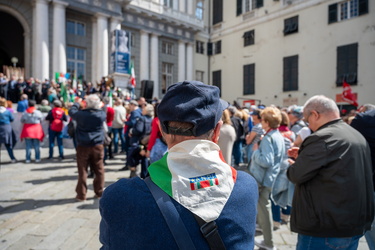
210	233
171	216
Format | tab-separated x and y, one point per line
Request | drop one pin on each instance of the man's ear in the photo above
215	136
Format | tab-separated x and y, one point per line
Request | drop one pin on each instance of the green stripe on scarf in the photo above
160	174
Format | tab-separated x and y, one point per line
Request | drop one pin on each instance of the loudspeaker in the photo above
147	89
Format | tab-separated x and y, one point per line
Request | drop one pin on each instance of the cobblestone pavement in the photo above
38	209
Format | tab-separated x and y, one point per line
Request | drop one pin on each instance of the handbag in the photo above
107	139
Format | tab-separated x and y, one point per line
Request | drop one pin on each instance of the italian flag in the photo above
194	174
132	75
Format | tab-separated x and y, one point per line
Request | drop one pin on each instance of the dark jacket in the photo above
118	230
365	124
141	128
333	193
89	130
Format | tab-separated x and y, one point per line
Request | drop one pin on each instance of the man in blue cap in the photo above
192	172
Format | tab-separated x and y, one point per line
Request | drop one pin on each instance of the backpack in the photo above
57	123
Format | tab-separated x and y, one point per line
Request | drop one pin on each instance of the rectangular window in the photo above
199	47
347	64
347	10
76	62
168	3
216	79
199	76
244	6
75	28
290	81
167	76
217	16
218	47
249	79
167	48
248	38
199	10
291	25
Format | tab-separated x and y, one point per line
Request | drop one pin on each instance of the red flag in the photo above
347	94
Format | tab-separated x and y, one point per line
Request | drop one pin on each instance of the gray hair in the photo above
321	104
92	101
369	106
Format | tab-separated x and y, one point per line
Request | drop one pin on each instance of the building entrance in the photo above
11	41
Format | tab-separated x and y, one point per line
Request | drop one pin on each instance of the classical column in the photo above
181	61
94	55
59	40
116	23
144	72
190	7
182	5
40	40
154	72
189	61
102	46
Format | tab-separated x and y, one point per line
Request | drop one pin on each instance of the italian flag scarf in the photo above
194	173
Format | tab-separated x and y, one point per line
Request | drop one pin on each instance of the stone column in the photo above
59	40
189	61
94	54
154	71
191	7
181	61
182	4
40	40
102	46
144	57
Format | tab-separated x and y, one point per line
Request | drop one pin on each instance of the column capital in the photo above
45	2
117	19
154	34
102	15
58	3
144	32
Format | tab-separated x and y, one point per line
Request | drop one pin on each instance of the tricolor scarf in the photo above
194	173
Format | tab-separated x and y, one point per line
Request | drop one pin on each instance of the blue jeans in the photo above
10	151
311	243
370	235
237	152
276	216
59	138
118	132
32	143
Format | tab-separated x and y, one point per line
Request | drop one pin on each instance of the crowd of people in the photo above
301	158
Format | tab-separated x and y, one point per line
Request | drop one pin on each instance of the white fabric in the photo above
195	158
304	132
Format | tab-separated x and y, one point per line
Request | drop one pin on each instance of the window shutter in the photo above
209	49
216	79
239	7
259	3
217	11
249	79
332	13
362	7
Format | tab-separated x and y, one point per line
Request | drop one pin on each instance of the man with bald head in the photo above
333	204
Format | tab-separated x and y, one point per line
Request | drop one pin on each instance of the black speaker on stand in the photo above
147	89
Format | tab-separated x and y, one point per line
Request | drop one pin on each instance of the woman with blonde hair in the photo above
227	137
6	133
264	167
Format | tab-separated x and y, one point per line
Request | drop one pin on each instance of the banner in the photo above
120	52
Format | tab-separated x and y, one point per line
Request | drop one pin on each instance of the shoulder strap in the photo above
171	216
210	233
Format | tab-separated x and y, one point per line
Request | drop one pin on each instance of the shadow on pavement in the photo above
53	168
31	204
56	178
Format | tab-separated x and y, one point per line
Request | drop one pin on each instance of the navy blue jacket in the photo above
365	124
89	131
131	218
